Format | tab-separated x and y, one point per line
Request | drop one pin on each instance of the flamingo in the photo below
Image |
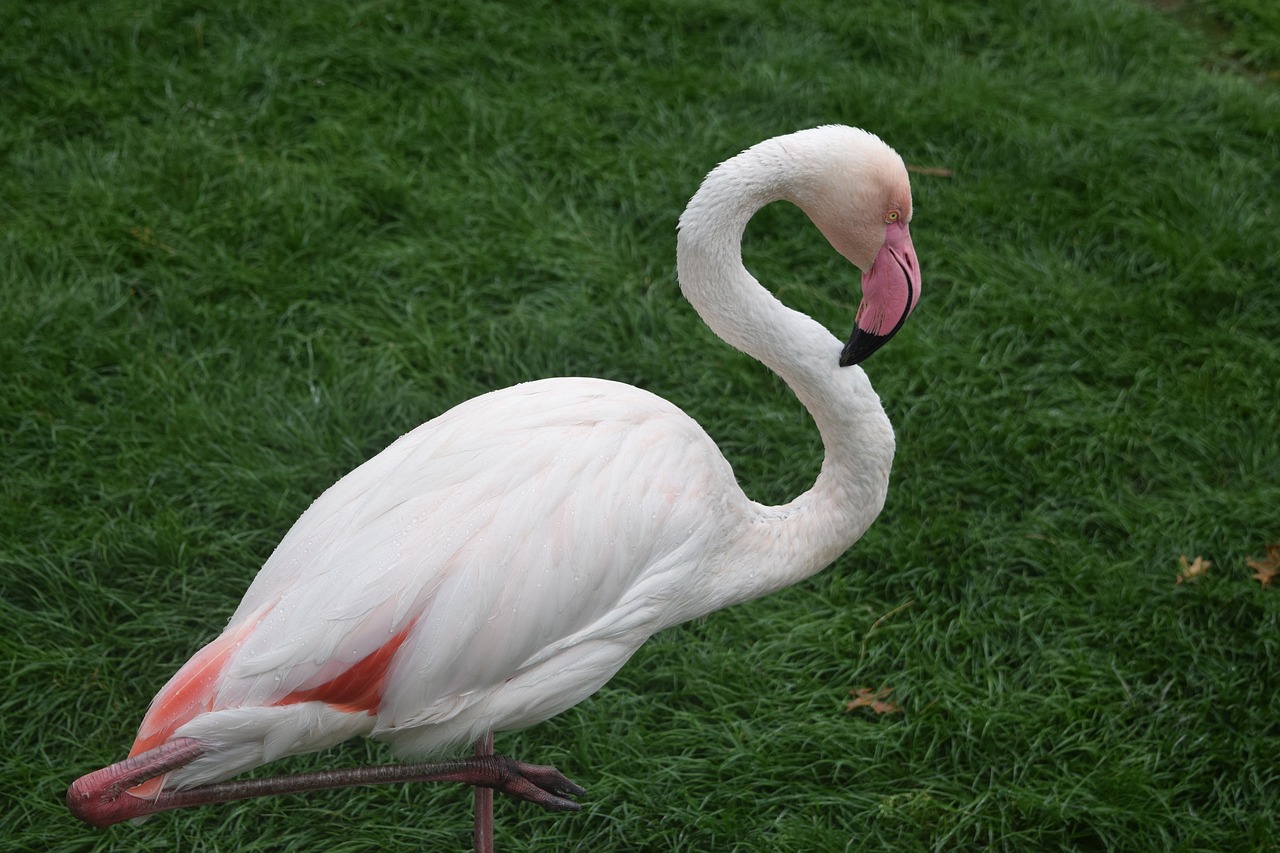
499	563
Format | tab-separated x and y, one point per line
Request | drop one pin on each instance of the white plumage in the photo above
501	562
530	539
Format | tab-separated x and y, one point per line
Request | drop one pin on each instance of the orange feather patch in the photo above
190	692
359	688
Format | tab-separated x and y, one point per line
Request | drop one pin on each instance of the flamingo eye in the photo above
892	216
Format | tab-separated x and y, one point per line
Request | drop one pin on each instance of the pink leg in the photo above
484	802
102	797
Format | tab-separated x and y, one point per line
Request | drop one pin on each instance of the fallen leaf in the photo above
1266	568
143	235
1193	570
933	171
865	697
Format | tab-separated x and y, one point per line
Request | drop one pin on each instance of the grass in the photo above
244	247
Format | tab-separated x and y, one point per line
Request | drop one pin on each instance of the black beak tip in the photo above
860	347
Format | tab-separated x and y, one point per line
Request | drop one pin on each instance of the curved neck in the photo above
786	543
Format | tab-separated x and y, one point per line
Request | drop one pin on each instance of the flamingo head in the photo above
890	290
858	194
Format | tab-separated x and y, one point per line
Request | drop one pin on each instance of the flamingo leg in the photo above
484	801
102	797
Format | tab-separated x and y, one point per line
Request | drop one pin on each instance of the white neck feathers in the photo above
790	542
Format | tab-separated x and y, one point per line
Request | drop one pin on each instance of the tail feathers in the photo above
239	739
191	691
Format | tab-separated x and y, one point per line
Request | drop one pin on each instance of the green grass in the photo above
246	247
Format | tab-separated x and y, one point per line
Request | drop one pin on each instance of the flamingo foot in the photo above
535	783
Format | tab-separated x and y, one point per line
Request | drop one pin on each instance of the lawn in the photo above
246	245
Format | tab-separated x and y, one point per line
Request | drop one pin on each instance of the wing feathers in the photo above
479	546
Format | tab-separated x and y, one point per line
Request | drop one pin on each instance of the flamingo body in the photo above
504	559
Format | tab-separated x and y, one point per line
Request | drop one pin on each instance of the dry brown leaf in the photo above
1266	568
865	697
1192	570
143	235
933	171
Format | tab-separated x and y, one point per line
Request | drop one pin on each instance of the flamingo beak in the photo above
890	290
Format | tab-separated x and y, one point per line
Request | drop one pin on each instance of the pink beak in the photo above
890	290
